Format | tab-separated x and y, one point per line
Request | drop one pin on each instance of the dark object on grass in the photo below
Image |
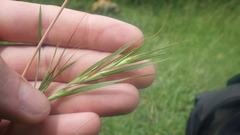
104	7
217	112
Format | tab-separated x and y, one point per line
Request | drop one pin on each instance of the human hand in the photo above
96	37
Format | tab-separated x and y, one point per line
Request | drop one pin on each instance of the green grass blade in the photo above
50	66
118	70
46	82
39	38
122	58
156	50
101	63
40	24
63	69
107	59
63	92
6	43
48	73
133	56
138	59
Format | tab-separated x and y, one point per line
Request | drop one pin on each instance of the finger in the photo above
111	100
84	59
19	23
64	124
19	101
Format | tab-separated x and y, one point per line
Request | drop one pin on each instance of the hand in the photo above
95	38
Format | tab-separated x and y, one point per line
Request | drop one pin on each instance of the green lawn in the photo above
208	54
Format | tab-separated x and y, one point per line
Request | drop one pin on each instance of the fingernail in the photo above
32	101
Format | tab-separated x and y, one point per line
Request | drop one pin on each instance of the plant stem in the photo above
43	38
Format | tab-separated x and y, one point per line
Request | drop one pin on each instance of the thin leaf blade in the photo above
63	93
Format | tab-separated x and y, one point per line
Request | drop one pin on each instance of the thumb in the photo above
19	100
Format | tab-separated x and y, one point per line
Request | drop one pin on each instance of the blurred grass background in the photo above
208	34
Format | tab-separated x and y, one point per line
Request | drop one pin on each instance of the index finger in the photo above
19	23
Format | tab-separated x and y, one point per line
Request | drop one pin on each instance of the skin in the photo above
95	38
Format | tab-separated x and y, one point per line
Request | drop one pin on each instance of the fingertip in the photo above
144	82
119	99
114	34
131	101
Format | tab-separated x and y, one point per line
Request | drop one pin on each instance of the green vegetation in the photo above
208	54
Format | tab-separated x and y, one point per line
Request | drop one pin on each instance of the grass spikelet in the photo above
115	63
